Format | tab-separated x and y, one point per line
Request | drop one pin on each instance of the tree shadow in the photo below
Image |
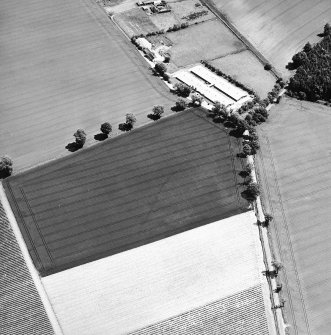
291	66
217	119
4	174
177	109
153	117
125	126
236	133
229	124
243	174
100	137
247	195
72	147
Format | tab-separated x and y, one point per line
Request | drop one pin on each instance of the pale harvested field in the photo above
248	70
278	28
295	169
143	286
207	40
64	66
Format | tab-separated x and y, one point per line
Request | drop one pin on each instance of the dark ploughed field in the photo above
156	181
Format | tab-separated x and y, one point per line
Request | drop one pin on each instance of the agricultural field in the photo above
279	28
24	312
64	65
206	280
294	168
190	11
164	20
159	180
248	70
135	22
208	40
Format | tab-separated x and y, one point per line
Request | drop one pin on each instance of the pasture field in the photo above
134	22
183	9
64	65
279	28
137	188
294	168
207	41
247	69
164	20
204	281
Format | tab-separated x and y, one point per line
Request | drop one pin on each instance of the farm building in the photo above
203	88
143	43
220	83
213	87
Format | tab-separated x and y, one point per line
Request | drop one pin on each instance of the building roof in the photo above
144	43
21	309
211	93
220	83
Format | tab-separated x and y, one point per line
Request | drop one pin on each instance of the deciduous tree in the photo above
158	110
80	137
180	104
6	166
196	99
252	192
182	90
106	128
160	68
130	119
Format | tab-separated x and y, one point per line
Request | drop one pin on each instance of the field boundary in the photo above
209	4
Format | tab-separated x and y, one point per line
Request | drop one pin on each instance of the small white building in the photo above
142	42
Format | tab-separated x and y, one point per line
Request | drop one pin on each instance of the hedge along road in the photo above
156	181
294	167
64	66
